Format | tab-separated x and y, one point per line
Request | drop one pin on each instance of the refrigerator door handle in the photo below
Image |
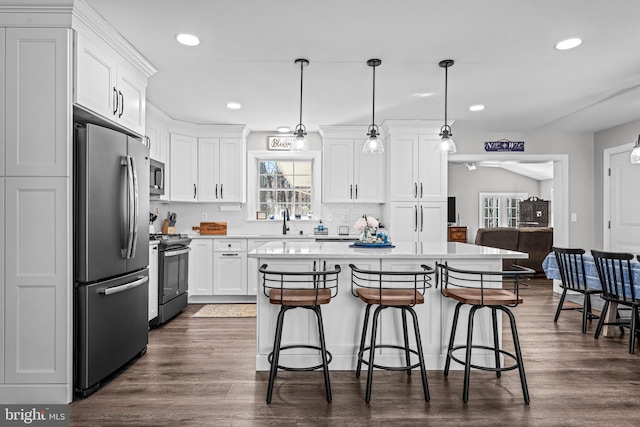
125	287
126	252
136	208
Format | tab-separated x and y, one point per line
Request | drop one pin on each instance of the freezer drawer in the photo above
111	327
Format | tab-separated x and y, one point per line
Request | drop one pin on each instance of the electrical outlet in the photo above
204	216
329	217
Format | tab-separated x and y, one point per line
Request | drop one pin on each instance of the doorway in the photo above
560	203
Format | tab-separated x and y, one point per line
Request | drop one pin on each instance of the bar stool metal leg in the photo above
363	339
323	351
276	352
423	372
372	352
452	337
467	362
516	344
406	340
496	341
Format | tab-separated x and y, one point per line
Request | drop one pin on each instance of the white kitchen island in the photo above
343	317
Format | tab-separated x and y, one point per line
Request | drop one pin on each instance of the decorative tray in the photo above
358	244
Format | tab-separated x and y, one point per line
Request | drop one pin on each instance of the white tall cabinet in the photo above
348	174
35	213
184	168
417	182
40	80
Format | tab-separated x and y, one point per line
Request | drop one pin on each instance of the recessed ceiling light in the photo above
188	39
478	107
568	44
233	106
284	129
422	94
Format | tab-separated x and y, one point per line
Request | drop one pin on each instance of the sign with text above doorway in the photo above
281	143
503	145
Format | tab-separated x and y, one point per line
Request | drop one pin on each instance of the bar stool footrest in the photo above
485	368
389	368
309	368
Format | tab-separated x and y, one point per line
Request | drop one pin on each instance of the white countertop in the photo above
290	236
401	250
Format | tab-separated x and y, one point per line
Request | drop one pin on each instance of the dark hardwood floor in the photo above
201	372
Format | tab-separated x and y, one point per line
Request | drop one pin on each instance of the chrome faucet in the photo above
285	218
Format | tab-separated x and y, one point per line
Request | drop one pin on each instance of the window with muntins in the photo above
500	209
285	184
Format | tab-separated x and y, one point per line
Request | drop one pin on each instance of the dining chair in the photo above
570	264
616	277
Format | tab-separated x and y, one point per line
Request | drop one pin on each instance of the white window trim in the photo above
252	177
502	196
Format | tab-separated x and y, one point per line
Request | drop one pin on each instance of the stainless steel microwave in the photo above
156	178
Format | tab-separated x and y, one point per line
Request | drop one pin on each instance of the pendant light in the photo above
635	154
374	143
300	143
446	144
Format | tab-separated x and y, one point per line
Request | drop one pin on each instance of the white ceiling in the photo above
539	171
503	52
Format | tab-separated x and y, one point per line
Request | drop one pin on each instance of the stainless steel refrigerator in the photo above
111	253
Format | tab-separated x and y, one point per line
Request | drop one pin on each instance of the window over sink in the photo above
279	181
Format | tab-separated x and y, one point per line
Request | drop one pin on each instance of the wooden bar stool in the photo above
496	290
391	289
308	290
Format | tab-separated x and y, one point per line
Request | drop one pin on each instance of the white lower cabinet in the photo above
153	281
201	267
230	267
418	222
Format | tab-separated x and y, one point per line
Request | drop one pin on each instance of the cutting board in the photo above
212	228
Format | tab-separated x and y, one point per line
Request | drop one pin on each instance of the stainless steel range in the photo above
173	275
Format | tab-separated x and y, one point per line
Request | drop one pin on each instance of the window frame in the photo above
253	157
502	206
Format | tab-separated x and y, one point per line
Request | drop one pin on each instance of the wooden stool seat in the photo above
390	297
483	297
299	297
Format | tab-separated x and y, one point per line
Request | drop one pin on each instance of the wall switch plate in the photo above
574	217
329	217
203	216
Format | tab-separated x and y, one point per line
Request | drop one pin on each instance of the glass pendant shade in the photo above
300	144
373	145
446	144
635	153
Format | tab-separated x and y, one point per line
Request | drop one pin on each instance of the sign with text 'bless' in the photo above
280	142
504	145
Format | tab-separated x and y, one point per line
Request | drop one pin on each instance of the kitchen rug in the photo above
227	310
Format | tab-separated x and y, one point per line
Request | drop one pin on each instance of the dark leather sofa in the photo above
535	241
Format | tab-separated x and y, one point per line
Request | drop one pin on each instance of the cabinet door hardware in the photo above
121	104
415	189
356	191
194	191
351	191
421	217
115	101
221	196
421	190
416	210
216	191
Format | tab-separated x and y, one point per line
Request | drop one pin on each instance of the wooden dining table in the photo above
550	267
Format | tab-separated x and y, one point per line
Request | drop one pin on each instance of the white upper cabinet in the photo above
415	171
106	86
221	170
37	120
348	174
184	168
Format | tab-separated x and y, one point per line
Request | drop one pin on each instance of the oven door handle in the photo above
175	253
125	287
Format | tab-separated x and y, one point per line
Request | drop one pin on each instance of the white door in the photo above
405	222
95	78
208	158
368	175
624	204
337	171
230	273
201	267
132	91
